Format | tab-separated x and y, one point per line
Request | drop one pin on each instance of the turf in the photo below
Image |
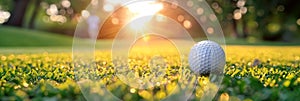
38	65
51	76
17	37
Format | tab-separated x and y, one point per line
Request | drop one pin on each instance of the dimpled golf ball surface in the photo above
206	57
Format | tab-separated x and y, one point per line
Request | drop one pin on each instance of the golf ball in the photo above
206	57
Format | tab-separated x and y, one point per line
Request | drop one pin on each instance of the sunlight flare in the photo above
143	12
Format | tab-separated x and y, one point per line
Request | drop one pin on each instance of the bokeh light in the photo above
187	24
190	3
244	10
52	10
240	11
237	14
210	30
58	18
57	12
4	16
200	11
241	3
298	22
85	13
273	27
213	17
115	21
215	5
180	18
66	3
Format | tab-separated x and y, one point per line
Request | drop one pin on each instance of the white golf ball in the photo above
206	57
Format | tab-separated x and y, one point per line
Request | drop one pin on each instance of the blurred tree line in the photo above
60	16
274	20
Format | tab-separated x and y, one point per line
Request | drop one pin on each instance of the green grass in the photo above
31	70
234	41
18	40
51	76
16	37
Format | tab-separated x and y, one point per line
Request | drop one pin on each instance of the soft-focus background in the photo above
243	21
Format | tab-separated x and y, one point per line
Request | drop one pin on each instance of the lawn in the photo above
51	76
37	66
16	37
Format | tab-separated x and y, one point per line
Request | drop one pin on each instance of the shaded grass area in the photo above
16	37
233	41
34	50
20	40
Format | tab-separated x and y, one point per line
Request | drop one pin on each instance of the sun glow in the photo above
143	12
145	8
139	24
